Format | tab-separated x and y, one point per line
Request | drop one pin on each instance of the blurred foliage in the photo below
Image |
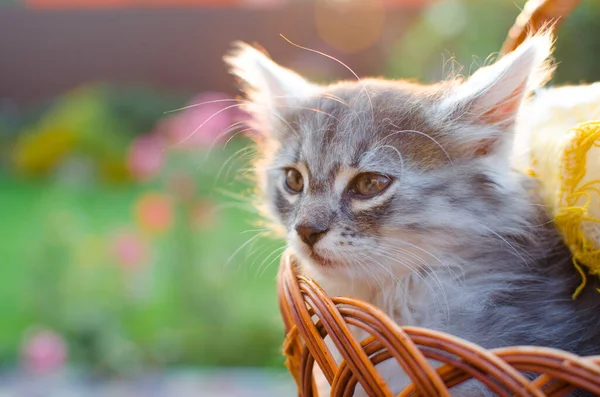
91	125
136	275
578	47
458	36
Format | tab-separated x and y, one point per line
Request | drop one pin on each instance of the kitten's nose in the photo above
310	234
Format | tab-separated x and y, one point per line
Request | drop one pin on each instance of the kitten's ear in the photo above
493	94
268	86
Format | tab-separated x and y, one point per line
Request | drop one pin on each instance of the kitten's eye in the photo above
369	184
293	181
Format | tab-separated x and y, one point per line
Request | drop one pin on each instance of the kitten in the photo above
403	195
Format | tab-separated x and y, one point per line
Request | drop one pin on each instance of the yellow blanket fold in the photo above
564	154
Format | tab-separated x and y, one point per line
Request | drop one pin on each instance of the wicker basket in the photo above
310	315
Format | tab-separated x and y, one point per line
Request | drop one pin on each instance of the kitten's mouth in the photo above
324	262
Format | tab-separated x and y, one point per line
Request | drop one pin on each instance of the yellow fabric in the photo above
567	162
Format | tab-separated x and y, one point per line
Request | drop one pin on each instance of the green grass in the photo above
193	303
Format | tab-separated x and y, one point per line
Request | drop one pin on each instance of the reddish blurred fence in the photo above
45	52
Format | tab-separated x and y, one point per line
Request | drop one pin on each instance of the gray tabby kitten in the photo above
404	195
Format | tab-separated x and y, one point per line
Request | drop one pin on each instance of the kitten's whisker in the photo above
231	128
241	247
238	132
439	294
428	268
276	252
426	136
215	114
441	300
406	243
237	155
311	109
202	103
253	251
257	256
239	196
386	254
345	262
511	246
367	270
395	249
245	171
371	259
364	88
245	174
255	230
270	110
395	246
390	147
249	208
335	98
240	103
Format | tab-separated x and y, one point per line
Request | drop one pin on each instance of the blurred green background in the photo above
128	239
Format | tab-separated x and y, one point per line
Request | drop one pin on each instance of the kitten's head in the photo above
379	177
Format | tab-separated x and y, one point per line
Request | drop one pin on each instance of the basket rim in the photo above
310	315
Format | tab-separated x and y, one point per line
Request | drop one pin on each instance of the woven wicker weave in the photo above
535	15
310	315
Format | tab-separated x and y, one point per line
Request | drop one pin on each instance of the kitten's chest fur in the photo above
412	299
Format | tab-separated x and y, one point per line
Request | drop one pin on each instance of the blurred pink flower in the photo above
204	123
130	250
154	212
43	351
146	156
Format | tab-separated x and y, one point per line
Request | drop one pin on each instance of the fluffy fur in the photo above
459	241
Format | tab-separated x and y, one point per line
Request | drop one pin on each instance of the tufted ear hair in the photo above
493	95
269	87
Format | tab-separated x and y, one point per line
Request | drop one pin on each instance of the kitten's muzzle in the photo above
310	234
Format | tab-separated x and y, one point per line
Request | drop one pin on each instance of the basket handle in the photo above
534	16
